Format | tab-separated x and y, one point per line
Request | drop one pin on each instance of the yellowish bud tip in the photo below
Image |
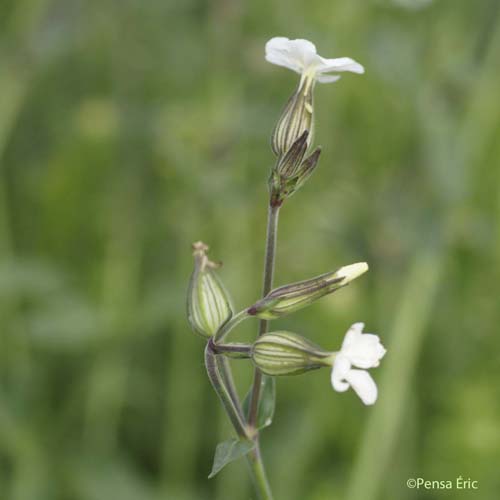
352	271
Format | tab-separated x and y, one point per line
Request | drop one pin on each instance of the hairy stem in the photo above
272	234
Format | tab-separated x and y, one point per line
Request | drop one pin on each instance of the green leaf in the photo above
267	402
228	451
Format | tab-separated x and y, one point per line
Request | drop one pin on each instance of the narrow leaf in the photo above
228	451
267	402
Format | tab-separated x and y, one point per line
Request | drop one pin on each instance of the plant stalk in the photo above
254	457
258	471
229	325
233	350
271	239
219	371
221	379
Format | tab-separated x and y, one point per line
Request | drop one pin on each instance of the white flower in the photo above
301	56
362	350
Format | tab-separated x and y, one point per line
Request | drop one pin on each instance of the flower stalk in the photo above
232	350
269	264
220	376
209	305
219	381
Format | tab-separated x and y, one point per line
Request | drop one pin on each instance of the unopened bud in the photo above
297	117
292	170
306	169
288	164
286	353
353	271
208	303
290	298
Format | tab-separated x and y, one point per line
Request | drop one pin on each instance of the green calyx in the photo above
290	298
208	302
286	353
292	170
295	119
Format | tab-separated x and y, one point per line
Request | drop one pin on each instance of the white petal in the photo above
327	78
341	367
353	334
277	43
305	51
363	350
363	385
340	64
300	55
293	54
278	52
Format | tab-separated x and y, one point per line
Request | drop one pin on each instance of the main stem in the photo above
271	239
254	457
220	376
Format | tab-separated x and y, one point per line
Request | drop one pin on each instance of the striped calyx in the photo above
208	303
290	298
296	117
287	353
292	170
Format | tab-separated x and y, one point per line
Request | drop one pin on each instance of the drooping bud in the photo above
292	170
296	117
208	303
290	298
286	353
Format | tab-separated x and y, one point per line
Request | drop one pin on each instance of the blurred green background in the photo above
129	129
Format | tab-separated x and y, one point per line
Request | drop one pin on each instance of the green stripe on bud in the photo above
296	117
286	353
292	170
208	303
290	298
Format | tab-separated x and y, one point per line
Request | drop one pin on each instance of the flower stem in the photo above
254	457
221	380
271	239
219	373
259	473
233	350
227	327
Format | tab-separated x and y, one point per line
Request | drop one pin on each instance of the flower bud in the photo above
306	169
208	303
292	170
286	353
297	117
289	163
290	298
